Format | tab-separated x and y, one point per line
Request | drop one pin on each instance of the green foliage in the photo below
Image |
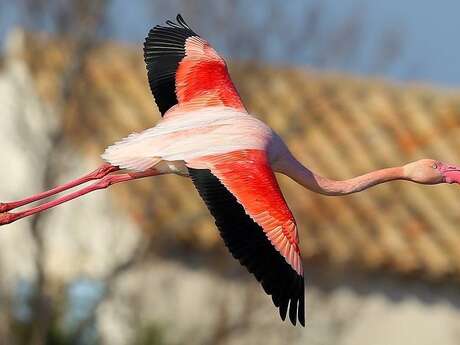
151	334
54	334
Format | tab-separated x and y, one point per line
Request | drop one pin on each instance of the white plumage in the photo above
183	136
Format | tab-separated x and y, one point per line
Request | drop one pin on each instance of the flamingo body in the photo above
229	155
184	135
206	134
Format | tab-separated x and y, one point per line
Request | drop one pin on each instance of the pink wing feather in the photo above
257	226
184	70
207	128
249	177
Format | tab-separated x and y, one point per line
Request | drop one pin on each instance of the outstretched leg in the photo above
9	217
97	174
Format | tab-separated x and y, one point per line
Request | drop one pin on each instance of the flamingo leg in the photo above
97	174
106	181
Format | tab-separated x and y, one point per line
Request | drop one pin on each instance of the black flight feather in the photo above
164	48
248	243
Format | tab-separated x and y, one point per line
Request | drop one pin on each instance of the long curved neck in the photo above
319	184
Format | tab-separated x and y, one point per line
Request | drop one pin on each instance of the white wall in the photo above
80	237
341	310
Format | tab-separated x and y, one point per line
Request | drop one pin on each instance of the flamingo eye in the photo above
434	166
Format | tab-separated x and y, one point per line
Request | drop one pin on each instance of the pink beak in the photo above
451	173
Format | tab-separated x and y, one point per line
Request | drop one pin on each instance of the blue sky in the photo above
429	32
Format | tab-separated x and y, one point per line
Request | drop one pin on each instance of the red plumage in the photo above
248	176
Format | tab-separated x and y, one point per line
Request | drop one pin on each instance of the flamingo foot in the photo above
6	218
5	207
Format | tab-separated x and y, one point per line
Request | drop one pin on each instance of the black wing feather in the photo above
164	48
248	243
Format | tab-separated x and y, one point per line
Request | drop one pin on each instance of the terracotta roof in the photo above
339	126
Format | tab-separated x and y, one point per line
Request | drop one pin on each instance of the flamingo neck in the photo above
326	186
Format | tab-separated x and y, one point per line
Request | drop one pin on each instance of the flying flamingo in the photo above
206	134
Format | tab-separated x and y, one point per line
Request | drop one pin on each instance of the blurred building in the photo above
382	266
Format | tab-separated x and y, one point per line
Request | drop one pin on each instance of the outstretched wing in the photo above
184	68
242	194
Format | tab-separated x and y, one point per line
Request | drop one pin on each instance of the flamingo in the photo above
207	134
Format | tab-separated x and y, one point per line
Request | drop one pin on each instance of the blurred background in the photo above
351	86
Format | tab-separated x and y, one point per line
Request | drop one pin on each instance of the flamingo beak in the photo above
451	174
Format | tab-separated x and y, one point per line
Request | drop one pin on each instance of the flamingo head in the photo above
430	171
